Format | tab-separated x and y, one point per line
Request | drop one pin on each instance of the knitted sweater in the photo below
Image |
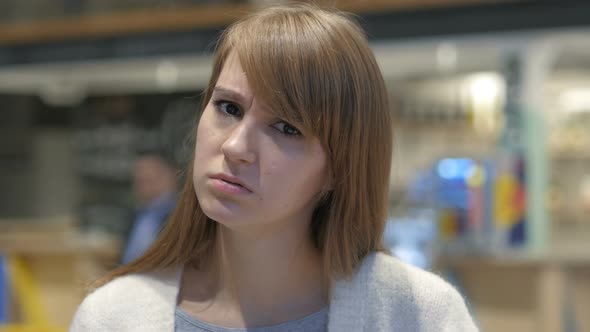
383	295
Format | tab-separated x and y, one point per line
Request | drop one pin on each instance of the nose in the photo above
238	146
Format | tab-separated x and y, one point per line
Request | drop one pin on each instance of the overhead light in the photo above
575	100
484	97
166	75
485	88
63	93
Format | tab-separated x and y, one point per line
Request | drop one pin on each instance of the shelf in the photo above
44	238
570	156
181	18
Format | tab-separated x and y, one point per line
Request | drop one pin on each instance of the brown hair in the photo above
314	69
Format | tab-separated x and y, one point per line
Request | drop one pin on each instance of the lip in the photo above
230	181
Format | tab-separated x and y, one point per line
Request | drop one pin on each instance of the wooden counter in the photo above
61	262
523	293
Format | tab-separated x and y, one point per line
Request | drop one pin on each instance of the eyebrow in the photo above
231	94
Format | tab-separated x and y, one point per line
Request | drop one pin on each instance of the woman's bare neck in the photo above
254	280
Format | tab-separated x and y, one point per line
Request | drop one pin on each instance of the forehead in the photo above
235	82
233	77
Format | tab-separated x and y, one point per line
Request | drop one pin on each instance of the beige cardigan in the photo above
383	295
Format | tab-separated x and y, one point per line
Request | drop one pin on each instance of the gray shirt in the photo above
316	322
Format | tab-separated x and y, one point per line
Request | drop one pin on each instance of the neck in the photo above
266	277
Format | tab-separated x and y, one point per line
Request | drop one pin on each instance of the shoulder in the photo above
393	275
404	296
423	295
129	302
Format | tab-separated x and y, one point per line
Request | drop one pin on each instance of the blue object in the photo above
3	291
147	226
411	237
454	168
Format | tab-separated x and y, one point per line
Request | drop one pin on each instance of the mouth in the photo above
231	181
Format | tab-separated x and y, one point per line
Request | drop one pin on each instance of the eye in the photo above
227	108
286	129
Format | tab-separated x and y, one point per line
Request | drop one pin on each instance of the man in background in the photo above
154	182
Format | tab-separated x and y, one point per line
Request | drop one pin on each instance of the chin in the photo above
222	211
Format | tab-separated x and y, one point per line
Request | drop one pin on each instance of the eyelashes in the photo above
286	128
230	109
227	108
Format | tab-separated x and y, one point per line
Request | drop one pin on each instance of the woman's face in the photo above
250	167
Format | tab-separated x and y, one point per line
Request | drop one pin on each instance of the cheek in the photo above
317	177
204	149
296	179
206	137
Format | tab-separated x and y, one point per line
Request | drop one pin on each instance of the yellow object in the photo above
477	177
27	294
30	328
504	207
448	224
26	291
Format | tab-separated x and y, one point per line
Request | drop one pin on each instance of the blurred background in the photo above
490	181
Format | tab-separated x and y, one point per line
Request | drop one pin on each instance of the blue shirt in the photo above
147	226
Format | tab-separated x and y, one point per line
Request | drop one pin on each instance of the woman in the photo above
279	225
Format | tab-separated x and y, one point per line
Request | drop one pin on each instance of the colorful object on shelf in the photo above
452	196
510	201
448	224
505	211
476	198
480	205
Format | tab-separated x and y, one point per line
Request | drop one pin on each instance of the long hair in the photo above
314	69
